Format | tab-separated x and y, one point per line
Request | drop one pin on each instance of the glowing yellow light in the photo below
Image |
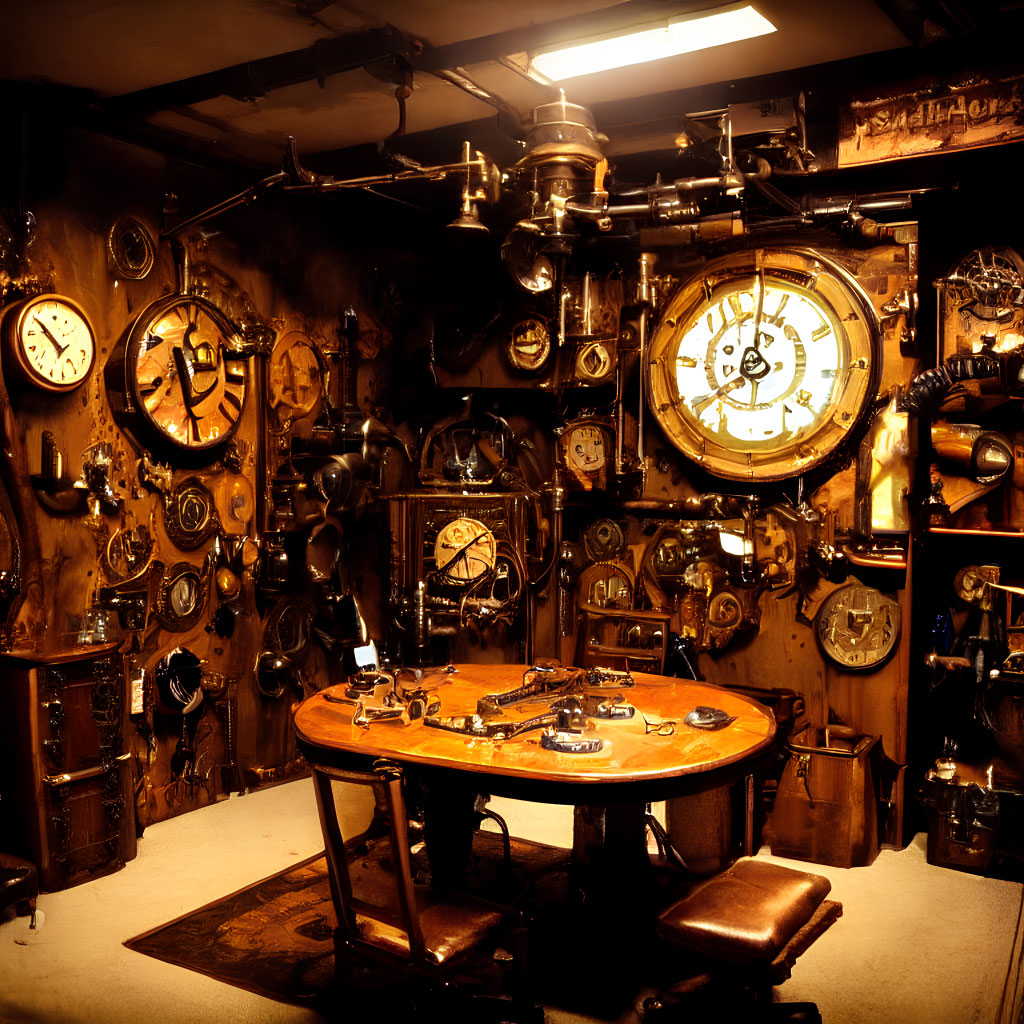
679	35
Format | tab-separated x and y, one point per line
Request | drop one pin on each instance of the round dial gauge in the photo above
181	595
858	627
585	448
295	377
179	376
760	367
465	549
528	345
52	341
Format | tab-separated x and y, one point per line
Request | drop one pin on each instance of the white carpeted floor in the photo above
917	944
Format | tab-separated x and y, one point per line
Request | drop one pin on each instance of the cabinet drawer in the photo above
90	824
80	714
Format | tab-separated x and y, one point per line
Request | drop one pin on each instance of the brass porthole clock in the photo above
51	342
762	364
184	374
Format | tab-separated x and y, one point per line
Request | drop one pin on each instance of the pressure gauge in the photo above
464	550
528	345
858	627
585	446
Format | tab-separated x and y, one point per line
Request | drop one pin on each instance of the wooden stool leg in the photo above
749	814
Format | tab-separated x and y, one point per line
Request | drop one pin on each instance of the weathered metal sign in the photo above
939	119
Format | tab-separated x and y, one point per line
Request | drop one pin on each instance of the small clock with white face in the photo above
761	366
585	446
51	340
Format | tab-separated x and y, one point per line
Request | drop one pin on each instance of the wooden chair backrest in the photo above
398	911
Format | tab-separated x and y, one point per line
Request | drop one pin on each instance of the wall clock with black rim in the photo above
49	342
763	363
184	374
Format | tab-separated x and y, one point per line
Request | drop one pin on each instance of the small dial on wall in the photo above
295	378
51	340
464	550
182	376
858	627
585	446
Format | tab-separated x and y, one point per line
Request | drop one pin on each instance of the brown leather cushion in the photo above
746	914
450	925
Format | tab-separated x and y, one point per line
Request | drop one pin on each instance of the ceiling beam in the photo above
549	33
336	55
256	78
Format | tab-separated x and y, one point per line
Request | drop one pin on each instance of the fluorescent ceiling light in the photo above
678	35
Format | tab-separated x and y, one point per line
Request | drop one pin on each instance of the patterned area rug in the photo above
273	937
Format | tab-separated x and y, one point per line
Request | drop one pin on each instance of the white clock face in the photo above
55	343
759	381
759	372
465	549
586	448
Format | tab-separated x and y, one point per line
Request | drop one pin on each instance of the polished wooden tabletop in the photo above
634	750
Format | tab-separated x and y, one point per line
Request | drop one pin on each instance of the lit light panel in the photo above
677	36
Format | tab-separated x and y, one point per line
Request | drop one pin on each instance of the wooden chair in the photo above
19	886
383	916
742	931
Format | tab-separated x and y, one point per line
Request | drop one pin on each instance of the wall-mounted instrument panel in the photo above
682	427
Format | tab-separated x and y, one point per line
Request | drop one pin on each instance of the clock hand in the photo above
186	389
53	341
753	393
700	405
760	308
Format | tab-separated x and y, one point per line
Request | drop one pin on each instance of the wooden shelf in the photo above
949	531
61	655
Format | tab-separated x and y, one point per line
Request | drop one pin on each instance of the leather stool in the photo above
744	929
19	885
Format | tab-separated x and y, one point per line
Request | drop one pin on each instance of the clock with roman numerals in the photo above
762	364
184	375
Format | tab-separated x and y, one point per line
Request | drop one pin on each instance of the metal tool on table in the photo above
404	695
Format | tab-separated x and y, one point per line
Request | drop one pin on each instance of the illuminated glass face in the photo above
586	448
55	343
184	386
758	376
759	382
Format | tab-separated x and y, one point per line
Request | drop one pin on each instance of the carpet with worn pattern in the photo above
272	937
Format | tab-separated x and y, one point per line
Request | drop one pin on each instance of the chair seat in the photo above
451	925
19	882
747	914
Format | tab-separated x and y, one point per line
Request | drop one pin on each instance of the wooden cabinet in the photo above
66	795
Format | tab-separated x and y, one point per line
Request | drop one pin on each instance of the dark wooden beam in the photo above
255	78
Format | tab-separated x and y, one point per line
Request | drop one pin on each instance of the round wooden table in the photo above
642	759
652	756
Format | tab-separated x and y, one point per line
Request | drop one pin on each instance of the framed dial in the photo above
296	377
585	446
51	340
464	550
528	345
761	366
858	627
182	375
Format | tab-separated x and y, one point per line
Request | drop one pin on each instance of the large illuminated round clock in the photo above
761	365
182	376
